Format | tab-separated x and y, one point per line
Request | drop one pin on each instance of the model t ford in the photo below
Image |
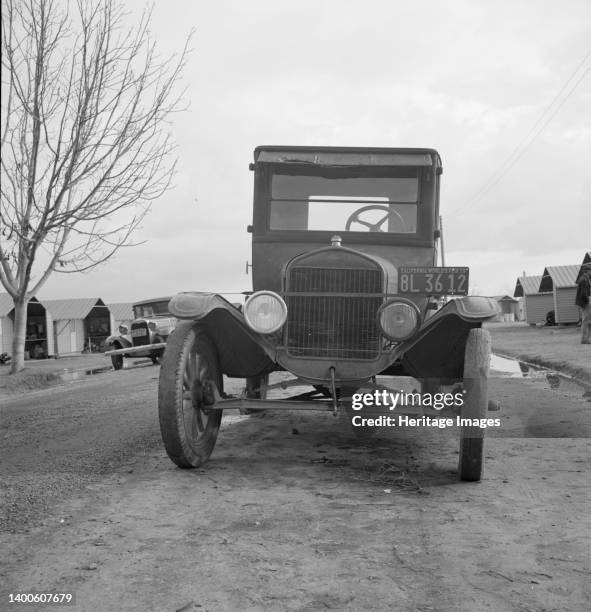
346	293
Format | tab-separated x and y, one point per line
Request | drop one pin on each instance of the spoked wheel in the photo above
476	366
189	378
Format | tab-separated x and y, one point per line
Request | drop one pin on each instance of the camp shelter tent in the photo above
79	324
561	281
536	304
38	342
510	309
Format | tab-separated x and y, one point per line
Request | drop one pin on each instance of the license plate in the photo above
140	331
433	281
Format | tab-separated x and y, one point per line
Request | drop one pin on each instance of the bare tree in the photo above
85	146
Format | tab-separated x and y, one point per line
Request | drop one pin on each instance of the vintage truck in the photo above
347	294
149	332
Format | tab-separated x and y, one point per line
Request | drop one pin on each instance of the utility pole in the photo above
441	238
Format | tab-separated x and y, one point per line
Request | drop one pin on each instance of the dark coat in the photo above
583	291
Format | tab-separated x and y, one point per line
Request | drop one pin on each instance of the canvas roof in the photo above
358	156
556	277
527	285
7	305
122	311
73	308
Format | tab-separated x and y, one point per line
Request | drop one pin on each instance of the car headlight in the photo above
399	319
265	312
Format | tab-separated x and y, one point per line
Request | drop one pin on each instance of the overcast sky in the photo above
476	80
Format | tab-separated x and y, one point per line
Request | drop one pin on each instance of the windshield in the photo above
150	310
357	204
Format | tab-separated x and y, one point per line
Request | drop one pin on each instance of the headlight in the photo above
265	312
152	326
123	329
399	319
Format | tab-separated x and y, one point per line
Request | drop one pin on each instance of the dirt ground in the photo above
556	347
294	511
45	373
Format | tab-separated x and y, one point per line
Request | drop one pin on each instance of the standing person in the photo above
583	301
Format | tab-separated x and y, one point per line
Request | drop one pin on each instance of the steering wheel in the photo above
375	227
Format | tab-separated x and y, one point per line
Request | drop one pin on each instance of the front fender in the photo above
437	350
123	341
241	351
471	308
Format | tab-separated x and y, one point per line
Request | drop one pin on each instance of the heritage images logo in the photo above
400	399
391	400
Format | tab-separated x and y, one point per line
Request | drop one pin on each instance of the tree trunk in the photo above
17	360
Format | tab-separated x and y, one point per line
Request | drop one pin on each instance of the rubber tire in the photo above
476	367
117	361
183	448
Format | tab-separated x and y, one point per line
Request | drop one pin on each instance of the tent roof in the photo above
527	285
73	308
556	277
7	305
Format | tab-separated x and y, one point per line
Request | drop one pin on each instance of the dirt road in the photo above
293	511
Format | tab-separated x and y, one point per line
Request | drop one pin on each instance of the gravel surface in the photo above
74	436
293	511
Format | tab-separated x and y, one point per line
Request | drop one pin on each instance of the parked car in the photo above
147	337
347	293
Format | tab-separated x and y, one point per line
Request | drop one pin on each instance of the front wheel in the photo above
476	366
190	378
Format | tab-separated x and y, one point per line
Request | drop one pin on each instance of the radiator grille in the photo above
140	334
335	326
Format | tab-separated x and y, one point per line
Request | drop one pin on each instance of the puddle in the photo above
504	367
512	368
70	375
